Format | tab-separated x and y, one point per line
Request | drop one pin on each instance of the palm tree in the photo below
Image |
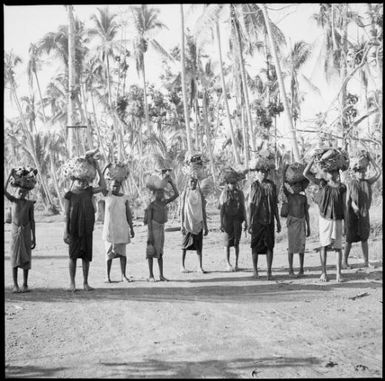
184	91
281	84
32	68
146	23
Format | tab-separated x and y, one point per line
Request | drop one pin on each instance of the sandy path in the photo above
197	325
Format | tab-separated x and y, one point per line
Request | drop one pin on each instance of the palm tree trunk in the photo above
41	98
244	85
344	73
245	138
98	127
72	141
281	84
55	182
235	148
184	91
149	129
87	118
208	137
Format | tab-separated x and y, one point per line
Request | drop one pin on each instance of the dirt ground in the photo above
218	324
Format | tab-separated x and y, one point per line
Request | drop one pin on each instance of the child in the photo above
263	210
194	222
232	214
117	228
359	198
331	202
23	238
79	224
298	227
156	217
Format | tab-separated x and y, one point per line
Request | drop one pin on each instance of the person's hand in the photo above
132	233
278	227
245	227
250	230
67	238
356	210
206	231
150	240
308	232
33	243
183	230
221	228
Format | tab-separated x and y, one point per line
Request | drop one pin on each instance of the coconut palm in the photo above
146	23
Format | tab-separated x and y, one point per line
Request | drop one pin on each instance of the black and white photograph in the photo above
193	190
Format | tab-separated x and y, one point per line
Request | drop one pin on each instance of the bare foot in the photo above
127	279
339	278
108	280
323	277
200	270
255	275
16	289
269	276
163	279
72	288
236	268
87	287
229	268
291	273
183	270
346	266
300	274
151	279
25	289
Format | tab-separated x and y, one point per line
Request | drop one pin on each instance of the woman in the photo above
263	210
117	228
79	224
232	215
194	222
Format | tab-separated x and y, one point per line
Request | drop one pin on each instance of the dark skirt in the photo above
81	247
192	241
262	238
232	233
357	227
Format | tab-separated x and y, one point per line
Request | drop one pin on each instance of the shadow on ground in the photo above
30	372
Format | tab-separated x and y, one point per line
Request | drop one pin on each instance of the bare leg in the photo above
339	266
151	276
183	268
269	259
123	264
86	269
348	246
323	257
14	276
199	253
365	252
236	257
109	263
255	264
25	281
301	259
72	268
227	251
160	264
290	257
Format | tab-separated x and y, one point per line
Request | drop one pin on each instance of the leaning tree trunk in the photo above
41	98
72	141
244	85
184	91
281	84
235	148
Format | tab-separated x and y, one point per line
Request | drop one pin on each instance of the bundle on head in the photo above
23	177
265	160
294	173
79	168
230	175
332	159
194	166
154	182
360	160
117	171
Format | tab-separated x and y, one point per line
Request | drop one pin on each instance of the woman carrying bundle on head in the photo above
117	229
331	202
232	215
298	228
156	218
23	237
80	213
263	212
358	199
